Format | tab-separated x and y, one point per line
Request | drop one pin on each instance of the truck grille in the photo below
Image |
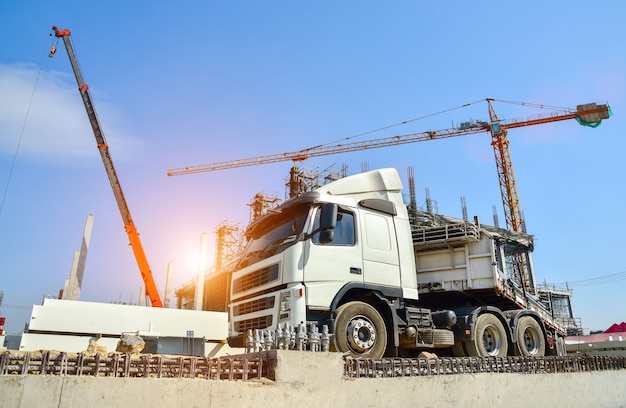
256	279
253	306
257	323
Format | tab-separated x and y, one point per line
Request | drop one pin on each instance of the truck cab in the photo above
341	257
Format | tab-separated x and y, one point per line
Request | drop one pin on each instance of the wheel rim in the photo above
361	334
531	340
491	340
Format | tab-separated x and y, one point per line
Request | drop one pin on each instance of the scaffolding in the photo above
261	203
559	302
301	179
229	245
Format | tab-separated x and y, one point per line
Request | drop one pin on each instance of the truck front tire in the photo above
360	330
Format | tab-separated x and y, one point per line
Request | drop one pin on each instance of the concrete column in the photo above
84	248
201	271
71	290
72	282
168	284
142	295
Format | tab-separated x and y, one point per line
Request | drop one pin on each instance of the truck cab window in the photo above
273	234
344	231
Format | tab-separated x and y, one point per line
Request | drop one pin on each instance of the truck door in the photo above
328	267
380	249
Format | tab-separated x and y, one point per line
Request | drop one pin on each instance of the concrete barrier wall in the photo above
305	379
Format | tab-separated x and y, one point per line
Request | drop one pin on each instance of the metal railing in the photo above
445	234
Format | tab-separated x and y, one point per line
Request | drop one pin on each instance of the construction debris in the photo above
130	343
95	348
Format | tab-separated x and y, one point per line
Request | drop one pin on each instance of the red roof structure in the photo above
617	328
611	342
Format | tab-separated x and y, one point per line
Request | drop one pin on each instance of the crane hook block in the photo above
53	50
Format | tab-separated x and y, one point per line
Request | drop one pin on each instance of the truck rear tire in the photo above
360	331
490	338
530	339
560	347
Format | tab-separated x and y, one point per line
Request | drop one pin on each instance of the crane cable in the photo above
598	280
579	119
534	105
391	126
19	141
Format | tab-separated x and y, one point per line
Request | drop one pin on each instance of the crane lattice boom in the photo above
317	151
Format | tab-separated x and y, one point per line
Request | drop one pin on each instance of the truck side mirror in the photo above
328	222
326	236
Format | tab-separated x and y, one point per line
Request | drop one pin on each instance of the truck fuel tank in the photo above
444	318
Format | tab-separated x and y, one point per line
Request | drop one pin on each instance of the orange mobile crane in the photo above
590	114
103	147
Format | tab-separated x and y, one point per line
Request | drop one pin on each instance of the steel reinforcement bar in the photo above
414	367
254	367
127	365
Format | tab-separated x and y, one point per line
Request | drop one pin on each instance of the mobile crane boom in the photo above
131	230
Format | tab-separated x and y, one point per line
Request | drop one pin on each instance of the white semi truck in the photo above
347	256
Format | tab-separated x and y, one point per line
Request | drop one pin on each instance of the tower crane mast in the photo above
140	256
590	114
504	165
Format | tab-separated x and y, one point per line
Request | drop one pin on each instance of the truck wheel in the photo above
530	340
360	331
490	338
457	349
560	347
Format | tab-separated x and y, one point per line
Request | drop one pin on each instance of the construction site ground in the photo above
294	378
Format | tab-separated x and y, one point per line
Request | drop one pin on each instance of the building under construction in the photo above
229	242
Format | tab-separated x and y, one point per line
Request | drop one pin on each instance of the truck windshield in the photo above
274	233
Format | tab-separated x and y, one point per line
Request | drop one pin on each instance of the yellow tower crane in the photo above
590	114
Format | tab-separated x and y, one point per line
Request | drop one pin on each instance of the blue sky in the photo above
189	83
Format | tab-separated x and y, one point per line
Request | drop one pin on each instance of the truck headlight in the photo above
285	306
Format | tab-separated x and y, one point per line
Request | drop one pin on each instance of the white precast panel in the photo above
67	316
